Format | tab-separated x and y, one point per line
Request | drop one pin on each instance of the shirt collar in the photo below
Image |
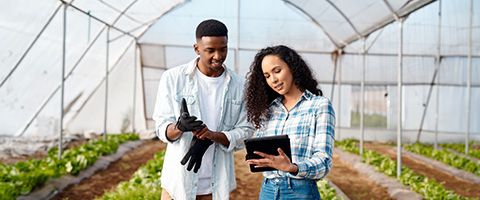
307	95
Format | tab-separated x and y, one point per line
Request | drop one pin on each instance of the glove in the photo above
186	122
195	153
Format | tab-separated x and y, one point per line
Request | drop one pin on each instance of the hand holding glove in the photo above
186	122
198	147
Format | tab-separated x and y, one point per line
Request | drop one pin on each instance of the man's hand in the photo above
186	122
198	147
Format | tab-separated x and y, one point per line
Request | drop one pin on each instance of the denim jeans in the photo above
284	188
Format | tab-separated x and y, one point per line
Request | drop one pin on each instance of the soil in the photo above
351	182
354	184
248	183
459	186
116	172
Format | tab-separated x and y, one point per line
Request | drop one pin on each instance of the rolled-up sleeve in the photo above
164	114
319	164
241	131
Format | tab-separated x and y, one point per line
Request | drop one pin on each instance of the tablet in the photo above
268	145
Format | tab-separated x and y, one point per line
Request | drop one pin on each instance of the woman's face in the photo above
278	74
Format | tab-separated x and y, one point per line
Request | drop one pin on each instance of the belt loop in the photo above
289	182
265	180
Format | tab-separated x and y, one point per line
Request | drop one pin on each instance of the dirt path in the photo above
460	186
118	171
354	184
248	183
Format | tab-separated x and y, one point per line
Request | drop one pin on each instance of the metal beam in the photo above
390	19
122	13
359	35
151	22
30	46
98	19
338	46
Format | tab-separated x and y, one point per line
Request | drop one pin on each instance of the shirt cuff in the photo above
162	133
232	144
302	169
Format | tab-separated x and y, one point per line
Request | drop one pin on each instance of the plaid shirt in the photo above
310	126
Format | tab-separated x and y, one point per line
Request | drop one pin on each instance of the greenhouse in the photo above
79	81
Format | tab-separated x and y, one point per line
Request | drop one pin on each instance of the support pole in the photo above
237	46
339	113
105	118
62	91
399	99
437	65
135	67
469	78
362	97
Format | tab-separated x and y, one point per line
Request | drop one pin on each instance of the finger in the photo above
190	119
185	159
184	108
197	123
283	154
204	135
263	155
202	130
197	166
190	165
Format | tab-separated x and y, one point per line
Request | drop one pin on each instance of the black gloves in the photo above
186	122
195	153
197	146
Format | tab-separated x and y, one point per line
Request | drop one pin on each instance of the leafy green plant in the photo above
22	177
428	188
327	192
144	184
460	148
446	157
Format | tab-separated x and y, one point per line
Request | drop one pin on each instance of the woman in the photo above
282	98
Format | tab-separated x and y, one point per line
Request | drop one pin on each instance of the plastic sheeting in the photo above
104	33
317	28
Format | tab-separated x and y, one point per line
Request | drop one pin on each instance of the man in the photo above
208	126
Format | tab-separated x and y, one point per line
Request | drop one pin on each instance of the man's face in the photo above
213	52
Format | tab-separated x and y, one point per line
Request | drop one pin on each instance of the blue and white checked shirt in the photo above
310	126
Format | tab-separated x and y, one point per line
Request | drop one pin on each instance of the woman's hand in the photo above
280	162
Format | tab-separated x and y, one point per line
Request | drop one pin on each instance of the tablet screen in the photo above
268	145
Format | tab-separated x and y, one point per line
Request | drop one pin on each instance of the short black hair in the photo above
211	27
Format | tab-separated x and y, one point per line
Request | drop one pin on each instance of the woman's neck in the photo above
291	98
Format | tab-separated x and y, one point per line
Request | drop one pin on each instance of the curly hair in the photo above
258	93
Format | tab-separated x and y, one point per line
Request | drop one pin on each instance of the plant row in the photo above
473	152
428	188
144	184
22	177
445	156
326	191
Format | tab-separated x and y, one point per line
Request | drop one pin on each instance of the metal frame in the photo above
399	99
31	45
338	46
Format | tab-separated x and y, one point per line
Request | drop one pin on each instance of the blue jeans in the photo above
288	188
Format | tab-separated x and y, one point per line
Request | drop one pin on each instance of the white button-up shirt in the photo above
178	83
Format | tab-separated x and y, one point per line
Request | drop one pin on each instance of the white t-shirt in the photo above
210	100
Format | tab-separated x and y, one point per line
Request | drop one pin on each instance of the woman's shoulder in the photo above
321	103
